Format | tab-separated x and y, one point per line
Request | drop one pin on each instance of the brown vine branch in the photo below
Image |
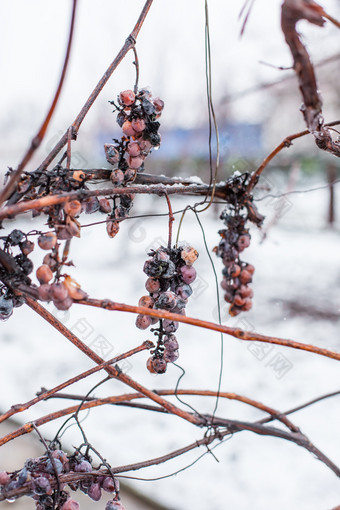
36	141
292	12
232	426
128	45
274	414
112	371
121	399
38	203
106	304
286	142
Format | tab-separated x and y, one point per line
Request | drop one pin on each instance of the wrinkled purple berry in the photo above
109	484
95	492
184	291
170	326
83	467
4	478
188	274
41	485
170	356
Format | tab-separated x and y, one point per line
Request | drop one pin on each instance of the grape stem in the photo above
171	220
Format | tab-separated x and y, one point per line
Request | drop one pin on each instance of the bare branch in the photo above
14	178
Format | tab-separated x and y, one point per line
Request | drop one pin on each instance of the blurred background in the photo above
297	277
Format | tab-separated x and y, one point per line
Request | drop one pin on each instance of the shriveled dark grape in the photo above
70	504
170	356
143	321
41	485
6	307
111	505
15	237
26	247
109	484
84	466
188	274
4	478
170	326
95	492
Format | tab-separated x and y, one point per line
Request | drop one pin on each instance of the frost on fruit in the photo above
235	238
137	114
168	286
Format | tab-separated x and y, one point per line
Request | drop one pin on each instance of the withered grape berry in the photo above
152	285
6	307
47	241
4	478
111	153
109	484
170	356
188	274
57	465
44	274
170	271
70	504
136	162
127	97
112	228
170	342
44	292
189	255
184	291
58	291
111	505
156	365
78	175
26	247
117	177
104	205
15	237
95	492
73	289
84	466
73	208
170	326
91	205
51	262
134	149
41	485
138	125
143	321
166	300
146	301
128	129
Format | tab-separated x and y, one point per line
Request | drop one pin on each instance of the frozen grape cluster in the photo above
137	117
63	290
39	476
237	274
170	272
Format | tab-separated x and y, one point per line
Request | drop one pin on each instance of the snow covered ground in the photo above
297	263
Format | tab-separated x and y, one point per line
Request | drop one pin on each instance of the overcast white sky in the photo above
170	48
